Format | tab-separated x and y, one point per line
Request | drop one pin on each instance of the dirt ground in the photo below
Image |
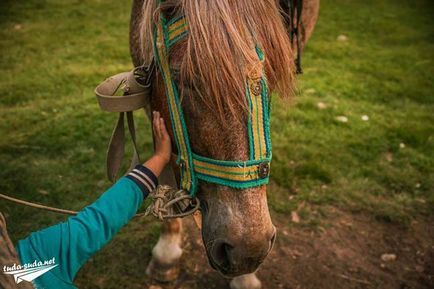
346	253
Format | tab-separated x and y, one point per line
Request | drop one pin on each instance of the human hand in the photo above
163	145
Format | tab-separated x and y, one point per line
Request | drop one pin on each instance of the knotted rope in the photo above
167	203
171	203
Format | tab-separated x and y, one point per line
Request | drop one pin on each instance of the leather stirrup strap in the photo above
136	159
116	149
136	87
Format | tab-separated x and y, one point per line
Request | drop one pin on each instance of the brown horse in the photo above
210	68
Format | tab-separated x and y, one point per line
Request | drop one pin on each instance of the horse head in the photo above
210	67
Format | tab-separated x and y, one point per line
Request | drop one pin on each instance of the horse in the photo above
209	68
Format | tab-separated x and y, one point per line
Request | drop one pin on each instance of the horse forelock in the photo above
219	52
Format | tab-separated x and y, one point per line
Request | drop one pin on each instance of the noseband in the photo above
193	167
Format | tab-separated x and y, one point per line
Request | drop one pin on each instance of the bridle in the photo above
193	167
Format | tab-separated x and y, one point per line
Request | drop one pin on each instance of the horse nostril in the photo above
221	254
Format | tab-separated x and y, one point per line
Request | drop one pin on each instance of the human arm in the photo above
73	242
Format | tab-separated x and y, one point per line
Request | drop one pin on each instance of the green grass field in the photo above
53	135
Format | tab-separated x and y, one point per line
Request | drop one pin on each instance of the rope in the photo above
170	203
167	203
38	206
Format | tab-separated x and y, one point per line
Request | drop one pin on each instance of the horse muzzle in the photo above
235	256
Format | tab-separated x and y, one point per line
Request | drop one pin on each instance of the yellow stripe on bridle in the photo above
173	107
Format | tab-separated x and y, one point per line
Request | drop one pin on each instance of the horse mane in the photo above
220	48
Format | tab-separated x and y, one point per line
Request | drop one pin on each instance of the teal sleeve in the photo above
73	242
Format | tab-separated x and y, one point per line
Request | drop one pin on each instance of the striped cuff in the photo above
144	178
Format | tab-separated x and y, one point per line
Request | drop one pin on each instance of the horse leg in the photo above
248	281
309	17
164	265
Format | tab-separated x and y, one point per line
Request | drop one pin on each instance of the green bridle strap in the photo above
161	52
251	173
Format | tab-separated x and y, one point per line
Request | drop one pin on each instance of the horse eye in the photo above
176	74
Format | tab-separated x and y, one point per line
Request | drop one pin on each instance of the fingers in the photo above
162	143
156	124
160	129
164	133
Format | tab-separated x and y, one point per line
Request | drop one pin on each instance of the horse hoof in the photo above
248	281
162	272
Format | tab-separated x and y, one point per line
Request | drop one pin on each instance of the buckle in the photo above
256	87
182	164
264	170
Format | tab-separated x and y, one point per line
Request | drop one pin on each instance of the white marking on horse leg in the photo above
164	265
248	281
168	248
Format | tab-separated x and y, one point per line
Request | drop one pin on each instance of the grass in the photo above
54	136
384	70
